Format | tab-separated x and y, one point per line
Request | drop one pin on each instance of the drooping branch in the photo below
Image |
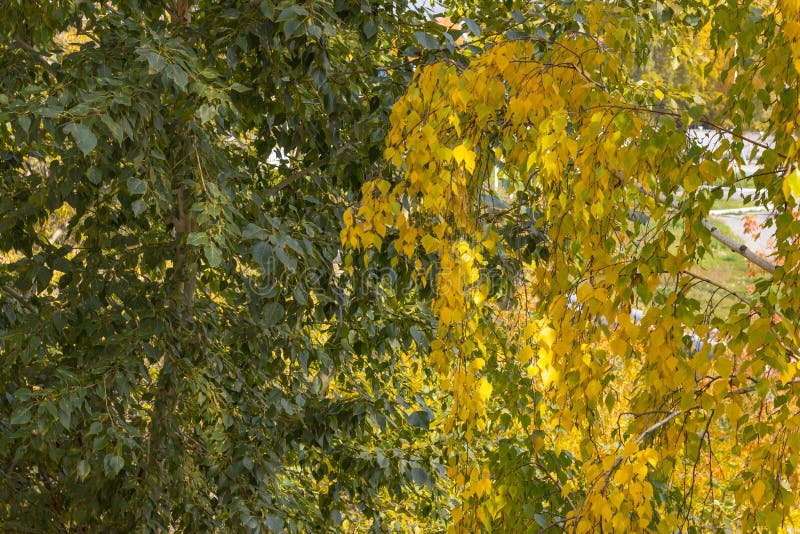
739	248
702	121
652	428
655	426
37	56
727	290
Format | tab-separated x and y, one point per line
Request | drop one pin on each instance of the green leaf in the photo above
24	122
197	239
178	76
206	112
213	255
247	462
117	131
273	313
83	470
292	12
473	28
696	112
113	464
85	140
427	41
420	419
94	175
138	207
290	27
155	62
137	186
65	419
20	416
227	420
369	28
274	523
267	9
289	262
51	112
252	231
62	264
420	476
23	394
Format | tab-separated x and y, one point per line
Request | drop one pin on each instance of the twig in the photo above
733	245
717	285
702	121
19	298
652	428
289	180
37	56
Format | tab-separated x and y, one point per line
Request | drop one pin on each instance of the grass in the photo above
728	204
726	268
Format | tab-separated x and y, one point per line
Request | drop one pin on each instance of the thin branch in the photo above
717	285
289	180
704	122
652	428
655	426
732	244
13	293
37	56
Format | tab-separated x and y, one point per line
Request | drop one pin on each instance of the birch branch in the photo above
732	244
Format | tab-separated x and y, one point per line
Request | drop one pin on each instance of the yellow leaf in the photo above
757	491
593	389
429	243
477	364
525	354
484	389
479	296
791	185
724	366
490	243
531	161
546	336
465	155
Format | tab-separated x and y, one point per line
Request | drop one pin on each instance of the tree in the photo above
589	390
180	348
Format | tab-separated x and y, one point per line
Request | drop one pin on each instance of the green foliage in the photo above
180	347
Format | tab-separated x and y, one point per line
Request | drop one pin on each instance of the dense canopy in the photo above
347	266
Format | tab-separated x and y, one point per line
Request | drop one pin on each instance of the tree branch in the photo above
652	428
732	244
37	56
703	121
289	180
717	285
19	298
